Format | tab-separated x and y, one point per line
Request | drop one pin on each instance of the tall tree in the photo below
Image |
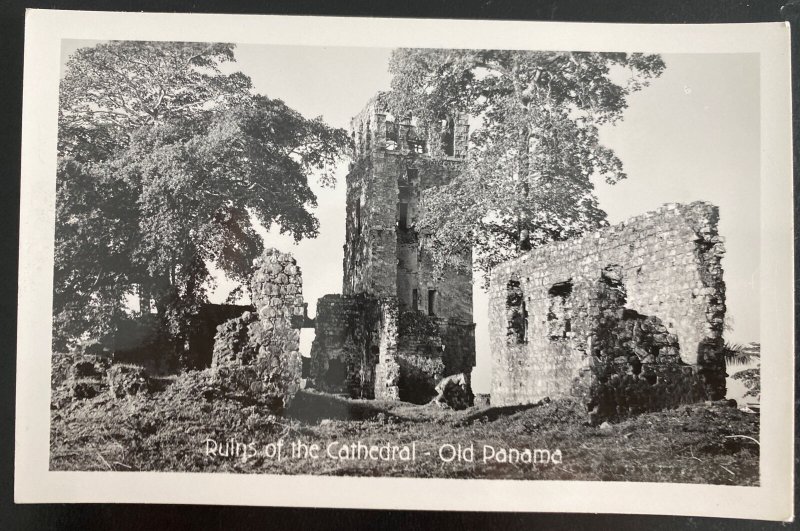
527	178
164	163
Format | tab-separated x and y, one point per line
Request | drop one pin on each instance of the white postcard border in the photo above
34	483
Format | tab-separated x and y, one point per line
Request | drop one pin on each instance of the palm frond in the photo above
736	354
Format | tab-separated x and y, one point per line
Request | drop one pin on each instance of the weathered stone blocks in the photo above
387	372
127	380
346	345
629	317
454	392
363	346
87	376
258	354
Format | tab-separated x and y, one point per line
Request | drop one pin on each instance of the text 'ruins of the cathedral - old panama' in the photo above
399	327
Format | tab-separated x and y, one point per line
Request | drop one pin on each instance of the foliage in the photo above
110	90
527	178
751	378
736	354
739	355
164	163
417	324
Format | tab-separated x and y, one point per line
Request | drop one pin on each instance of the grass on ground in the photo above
168	431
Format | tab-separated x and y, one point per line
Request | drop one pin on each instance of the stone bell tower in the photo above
422	329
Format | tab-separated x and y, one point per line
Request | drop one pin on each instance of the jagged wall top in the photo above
701	216
375	128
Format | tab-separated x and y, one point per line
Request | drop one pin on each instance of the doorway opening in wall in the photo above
336	373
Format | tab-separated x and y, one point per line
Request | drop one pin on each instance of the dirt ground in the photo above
185	427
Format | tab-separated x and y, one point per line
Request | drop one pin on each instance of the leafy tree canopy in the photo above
163	163
526	180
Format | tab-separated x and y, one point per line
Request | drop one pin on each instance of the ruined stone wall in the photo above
430	348
385	260
366	347
370	251
633	310
453	297
419	354
346	345
458	340
203	328
258	354
356	347
387	371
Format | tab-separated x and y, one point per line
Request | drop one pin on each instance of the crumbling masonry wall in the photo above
203	329
384	256
630	317
365	347
400	326
258	354
346	345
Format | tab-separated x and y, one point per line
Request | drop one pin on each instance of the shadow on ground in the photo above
311	407
308	406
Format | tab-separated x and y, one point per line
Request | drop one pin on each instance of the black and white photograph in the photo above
536	264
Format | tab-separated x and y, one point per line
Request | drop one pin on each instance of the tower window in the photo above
391	135
403	199
415	299
431	302
403	215
358	215
415	144
448	136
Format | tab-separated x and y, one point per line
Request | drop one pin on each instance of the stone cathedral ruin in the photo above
627	319
397	328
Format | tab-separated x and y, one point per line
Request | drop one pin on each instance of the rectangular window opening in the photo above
517	313
402	214
524	323
448	136
559	315
415	299
431	302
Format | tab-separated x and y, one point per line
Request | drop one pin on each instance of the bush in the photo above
127	380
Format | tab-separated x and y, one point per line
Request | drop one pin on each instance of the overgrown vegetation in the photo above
165	167
167	431
533	149
738	356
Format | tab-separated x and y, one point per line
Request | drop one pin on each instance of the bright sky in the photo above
692	135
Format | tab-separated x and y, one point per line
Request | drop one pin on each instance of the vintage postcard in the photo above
397	264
